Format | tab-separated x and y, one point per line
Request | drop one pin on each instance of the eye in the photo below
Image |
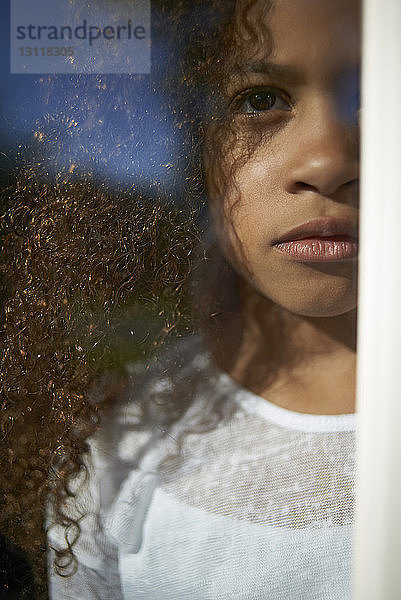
261	100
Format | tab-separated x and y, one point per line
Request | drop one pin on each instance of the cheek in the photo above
245	200
255	171
249	207
240	225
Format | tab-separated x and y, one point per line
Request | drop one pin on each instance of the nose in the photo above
325	158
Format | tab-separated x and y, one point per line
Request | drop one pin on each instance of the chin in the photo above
316	301
323	311
327	306
324	291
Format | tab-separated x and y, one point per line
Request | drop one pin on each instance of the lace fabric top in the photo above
259	504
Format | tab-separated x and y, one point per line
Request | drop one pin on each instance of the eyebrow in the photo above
274	70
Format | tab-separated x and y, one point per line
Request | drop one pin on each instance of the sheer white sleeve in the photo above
96	575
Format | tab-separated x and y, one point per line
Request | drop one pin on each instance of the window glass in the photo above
180	208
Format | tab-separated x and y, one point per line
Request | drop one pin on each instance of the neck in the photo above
305	364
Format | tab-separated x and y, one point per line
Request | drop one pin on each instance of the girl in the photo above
226	470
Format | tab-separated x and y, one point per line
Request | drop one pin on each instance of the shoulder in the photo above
182	385
121	471
179	391
161	396
174	363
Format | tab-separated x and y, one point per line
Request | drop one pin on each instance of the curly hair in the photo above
75	258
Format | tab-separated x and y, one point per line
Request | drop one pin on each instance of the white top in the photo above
258	505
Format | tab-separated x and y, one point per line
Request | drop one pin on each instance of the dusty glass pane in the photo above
179	306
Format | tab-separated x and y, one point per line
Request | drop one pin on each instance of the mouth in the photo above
319	240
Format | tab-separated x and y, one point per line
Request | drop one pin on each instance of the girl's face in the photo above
293	156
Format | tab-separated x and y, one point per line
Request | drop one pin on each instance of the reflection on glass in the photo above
179	324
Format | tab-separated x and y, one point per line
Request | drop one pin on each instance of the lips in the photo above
324	227
321	239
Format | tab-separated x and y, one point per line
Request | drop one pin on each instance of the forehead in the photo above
316	33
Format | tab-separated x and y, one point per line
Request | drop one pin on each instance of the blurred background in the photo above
110	129
113	126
